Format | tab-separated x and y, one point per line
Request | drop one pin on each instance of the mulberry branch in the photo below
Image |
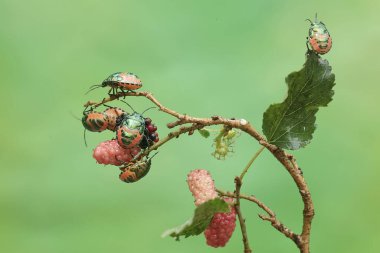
287	160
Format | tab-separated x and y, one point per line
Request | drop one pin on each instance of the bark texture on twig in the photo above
271	216
243	227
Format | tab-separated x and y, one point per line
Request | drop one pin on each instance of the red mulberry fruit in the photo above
220	230
201	186
110	152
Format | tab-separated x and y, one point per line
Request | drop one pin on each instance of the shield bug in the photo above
113	114
130	130
133	172
319	38
124	81
95	121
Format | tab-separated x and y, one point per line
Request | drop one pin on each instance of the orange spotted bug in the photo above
95	121
113	114
319	38
124	81
134	171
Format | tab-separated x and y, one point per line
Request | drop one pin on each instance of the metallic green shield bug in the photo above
319	39
130	130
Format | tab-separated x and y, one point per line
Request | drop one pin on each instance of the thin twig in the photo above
171	135
249	198
251	161
281	228
243	228
271	215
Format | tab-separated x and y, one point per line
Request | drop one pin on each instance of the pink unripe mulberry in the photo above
220	230
110	152
201	186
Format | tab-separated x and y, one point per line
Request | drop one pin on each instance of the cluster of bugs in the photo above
319	39
131	129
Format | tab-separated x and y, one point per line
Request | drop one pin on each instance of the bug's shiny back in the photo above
319	38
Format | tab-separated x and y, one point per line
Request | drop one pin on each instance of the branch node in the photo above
243	122
238	182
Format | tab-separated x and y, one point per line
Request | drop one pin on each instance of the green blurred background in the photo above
198	57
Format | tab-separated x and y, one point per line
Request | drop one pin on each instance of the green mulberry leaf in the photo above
202	217
291	124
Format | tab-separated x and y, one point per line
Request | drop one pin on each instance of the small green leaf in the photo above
291	124
204	132
202	217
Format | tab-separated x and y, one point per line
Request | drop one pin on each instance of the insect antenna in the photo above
311	22
148	109
84	133
75	116
150	158
128	105
93	87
